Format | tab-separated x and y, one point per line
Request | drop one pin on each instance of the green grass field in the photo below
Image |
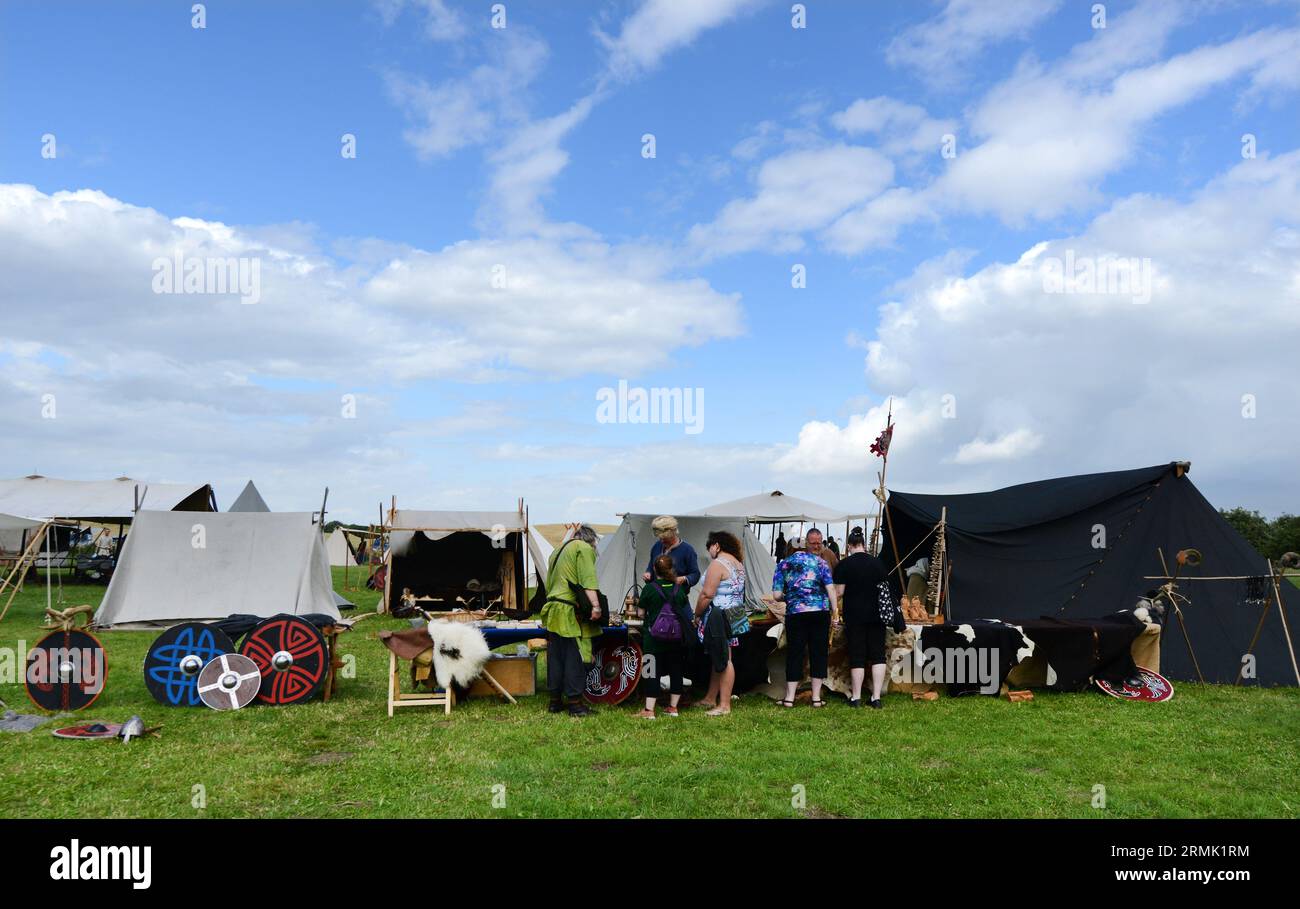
1210	752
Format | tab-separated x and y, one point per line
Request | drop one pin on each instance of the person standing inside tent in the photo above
571	572
686	563
668	640
720	609
819	549
862	581
805	583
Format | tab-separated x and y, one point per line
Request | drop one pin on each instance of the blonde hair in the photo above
663	525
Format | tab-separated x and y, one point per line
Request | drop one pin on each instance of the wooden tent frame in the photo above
1276	573
507	603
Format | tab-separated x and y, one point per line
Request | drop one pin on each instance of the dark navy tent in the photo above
1029	551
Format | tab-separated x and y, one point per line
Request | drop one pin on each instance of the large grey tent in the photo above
1036	550
624	558
178	567
249	500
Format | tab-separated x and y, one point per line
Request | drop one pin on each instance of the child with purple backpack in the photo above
668	632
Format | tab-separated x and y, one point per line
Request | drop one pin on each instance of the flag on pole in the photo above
880	447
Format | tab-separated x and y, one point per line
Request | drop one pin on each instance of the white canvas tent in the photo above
336	547
15	532
259	564
412	563
623	559
104	501
779	508
249	500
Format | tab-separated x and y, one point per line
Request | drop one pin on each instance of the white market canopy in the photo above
107	501
778	508
255	563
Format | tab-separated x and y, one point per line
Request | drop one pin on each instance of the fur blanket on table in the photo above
459	652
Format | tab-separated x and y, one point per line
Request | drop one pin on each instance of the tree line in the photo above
1270	538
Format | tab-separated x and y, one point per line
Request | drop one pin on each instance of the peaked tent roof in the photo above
620	562
249	500
98	500
1028	551
778	508
260	564
339	549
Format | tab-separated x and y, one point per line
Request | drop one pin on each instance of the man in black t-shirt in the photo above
858	578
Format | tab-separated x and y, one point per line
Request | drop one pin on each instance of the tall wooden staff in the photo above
880	448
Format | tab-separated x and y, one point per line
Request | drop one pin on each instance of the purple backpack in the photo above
667	627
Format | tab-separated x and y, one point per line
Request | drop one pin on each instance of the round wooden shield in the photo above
173	663
89	731
614	675
292	657
66	670
1154	688
229	682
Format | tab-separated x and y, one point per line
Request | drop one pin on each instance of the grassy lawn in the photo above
1210	752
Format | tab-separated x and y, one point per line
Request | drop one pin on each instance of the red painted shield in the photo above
89	731
614	675
1154	688
292	657
66	670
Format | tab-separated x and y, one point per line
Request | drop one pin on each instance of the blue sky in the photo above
520	147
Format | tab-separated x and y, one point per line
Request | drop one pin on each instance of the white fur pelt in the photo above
459	652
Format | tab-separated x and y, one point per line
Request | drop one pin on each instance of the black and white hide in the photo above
459	653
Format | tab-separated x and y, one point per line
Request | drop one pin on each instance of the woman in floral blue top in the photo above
804	582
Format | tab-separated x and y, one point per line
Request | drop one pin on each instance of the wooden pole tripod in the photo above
1276	574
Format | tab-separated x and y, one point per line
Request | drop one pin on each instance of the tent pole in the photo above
1281	611
1254	639
889	525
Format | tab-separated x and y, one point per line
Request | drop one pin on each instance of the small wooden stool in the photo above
444	698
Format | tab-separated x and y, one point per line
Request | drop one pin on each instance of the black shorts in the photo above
717	640
866	643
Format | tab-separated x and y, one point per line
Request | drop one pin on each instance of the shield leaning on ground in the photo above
614	675
173	663
291	655
66	670
1154	688
229	682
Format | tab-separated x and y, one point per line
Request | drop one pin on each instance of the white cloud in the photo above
901	127
1039	144
474	108
659	27
204	387
998	381
938	48
797	192
441	22
1007	447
